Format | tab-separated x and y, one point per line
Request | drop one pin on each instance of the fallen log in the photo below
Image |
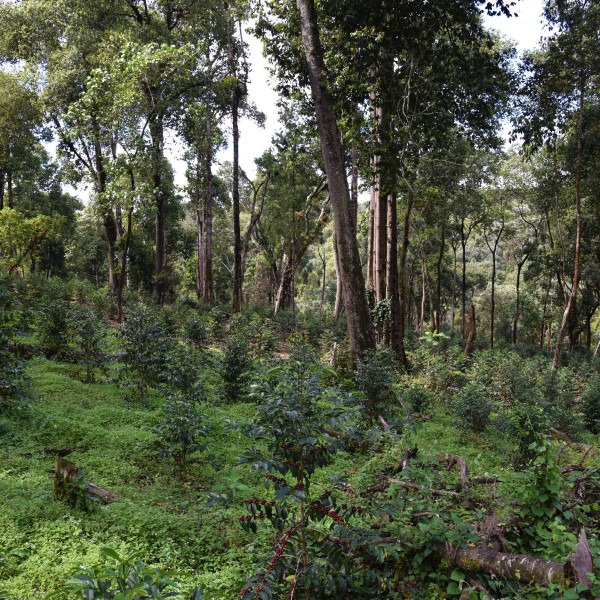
559	435
527	569
68	483
521	567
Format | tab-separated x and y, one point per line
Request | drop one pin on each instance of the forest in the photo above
361	361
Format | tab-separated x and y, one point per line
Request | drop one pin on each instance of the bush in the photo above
557	392
301	429
590	402
13	380
527	427
53	324
127	578
374	376
180	431
145	346
235	369
473	408
418	398
195	331
89	330
103	302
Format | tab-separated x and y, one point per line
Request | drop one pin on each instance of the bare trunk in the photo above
236	300
9	189
493	303
337	309
360	327
423	290
209	295
517	303
438	299
463	284
573	296
200	254
472	333
402	296
391	283
323	260
160	257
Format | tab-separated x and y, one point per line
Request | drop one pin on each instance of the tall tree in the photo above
553	100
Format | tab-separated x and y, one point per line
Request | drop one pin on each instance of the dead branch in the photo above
581	560
454	459
567	440
414	486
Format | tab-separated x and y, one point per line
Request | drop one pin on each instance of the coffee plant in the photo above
89	332
14	383
473	408
374	376
235	368
590	401
181	431
145	344
53	320
322	549
418	398
124	578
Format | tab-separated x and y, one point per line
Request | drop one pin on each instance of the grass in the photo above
168	521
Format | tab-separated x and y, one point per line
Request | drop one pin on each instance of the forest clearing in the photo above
299	299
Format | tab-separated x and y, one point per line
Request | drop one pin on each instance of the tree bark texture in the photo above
573	296
360	327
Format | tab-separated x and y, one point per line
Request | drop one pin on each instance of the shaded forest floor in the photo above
169	522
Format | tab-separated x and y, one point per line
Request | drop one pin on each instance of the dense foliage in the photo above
366	367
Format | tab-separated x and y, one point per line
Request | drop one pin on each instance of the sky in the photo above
525	30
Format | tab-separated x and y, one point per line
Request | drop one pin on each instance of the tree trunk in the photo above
472	333
2	176
517	303
463	284
108	219
200	253
360	327
337	308
283	300
423	295
122	274
438	299
9	189
156	128
371	242
354	188
402	296
236	300
493	302
494	251
527	569
209	294
391	279
573	296
323	260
